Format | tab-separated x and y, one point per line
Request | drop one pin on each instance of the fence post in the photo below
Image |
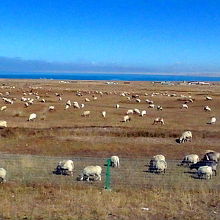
108	175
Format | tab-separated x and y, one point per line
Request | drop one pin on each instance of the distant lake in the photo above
106	76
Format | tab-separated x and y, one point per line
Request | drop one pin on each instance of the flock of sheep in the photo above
205	167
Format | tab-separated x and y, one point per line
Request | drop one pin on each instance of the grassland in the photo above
31	150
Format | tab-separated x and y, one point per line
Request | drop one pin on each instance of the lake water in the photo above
107	76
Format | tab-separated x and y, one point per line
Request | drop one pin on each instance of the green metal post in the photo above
108	175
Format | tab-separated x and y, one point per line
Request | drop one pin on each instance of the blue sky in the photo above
176	36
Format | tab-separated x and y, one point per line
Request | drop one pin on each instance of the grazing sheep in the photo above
185	106
115	161
130	111
82	105
138	100
3	124
65	167
91	173
212	120
66	107
43	100
51	108
137	111
32	117
2	175
159	108
144	112
68	103
212	164
205	172
103	114
158	121
151	106
212	156
85	114
126	118
76	105
3	108
158	166
208	98
207	109
8	101
190	159
87	100
186	136
117	106
149	101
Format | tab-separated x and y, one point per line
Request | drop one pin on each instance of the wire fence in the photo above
133	172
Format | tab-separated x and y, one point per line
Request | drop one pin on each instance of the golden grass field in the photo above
30	151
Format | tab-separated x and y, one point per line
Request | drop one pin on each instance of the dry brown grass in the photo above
46	201
65	133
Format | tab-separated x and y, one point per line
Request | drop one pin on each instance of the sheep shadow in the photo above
196	177
178	141
190	172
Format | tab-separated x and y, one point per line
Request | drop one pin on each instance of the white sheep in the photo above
138	100
2	175
149	101
117	106
208	98
103	114
86	113
82	105
68	103
32	117
51	108
212	120
158	120
66	107
3	108
190	159
115	161
151	106
87	100
3	124
158	166
137	111
91	173
185	106
76	105
207	109
159	108
126	118
144	112
205	172
186	136
130	111
8	101
65	167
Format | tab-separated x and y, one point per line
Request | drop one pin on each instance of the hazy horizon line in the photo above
19	65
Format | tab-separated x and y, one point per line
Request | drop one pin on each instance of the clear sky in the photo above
110	35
